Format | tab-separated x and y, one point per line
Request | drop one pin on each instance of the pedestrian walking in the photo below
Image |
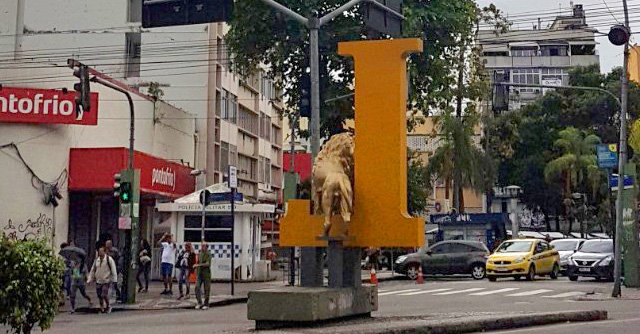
66	278
104	273
203	276
168	260
78	276
186	261
115	255
144	260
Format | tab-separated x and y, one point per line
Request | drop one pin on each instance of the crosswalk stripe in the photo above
422	292
484	293
457	291
529	293
567	294
382	290
396	292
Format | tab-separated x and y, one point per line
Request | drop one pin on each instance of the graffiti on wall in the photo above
30	229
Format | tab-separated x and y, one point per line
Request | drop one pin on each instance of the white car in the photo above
566	248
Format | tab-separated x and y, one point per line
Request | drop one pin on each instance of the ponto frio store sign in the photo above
24	105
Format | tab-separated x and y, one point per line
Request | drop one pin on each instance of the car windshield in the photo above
512	247
564	245
597	247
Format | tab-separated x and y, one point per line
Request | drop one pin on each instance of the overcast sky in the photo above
524	14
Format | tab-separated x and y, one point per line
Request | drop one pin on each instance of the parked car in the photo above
593	259
566	248
523	258
446	257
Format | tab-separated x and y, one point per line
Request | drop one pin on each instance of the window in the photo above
135	11
265	126
267	171
249	121
554	50
224	111
133	48
232	108
526	76
233	155
247	167
216	228
224	156
440	249
523	52
417	143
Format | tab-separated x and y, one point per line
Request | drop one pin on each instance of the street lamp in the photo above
513	192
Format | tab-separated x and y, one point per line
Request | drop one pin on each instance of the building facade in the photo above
539	56
210	119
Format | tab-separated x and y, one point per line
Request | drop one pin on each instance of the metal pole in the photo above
233	243
617	268
314	26
131	236
204	213
292	256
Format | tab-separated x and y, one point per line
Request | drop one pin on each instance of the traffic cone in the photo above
374	278
420	279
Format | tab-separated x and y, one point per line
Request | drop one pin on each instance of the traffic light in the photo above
83	99
125	192
619	35
305	95
117	183
167	13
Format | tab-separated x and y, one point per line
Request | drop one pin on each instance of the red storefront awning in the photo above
94	168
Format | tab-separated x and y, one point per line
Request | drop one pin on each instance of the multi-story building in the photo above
230	120
539	56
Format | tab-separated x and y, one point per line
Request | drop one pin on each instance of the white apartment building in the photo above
540	56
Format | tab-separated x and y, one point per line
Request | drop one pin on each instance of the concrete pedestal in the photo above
300	306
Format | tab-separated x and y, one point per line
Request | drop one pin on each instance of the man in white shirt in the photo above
168	259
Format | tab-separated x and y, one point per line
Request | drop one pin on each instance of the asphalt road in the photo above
438	296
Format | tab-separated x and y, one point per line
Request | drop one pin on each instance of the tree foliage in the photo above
30	284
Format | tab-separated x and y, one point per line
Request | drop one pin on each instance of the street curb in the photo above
122	308
495	323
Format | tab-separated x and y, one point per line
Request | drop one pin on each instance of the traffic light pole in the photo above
132	235
622	160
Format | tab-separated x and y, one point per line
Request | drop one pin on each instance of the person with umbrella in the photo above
76	258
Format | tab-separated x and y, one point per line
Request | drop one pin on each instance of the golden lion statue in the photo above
332	179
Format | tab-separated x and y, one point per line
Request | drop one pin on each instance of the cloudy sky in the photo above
601	14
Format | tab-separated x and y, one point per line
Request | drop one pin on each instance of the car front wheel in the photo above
573	278
532	273
412	271
555	271
478	271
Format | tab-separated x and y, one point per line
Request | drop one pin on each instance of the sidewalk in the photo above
220	295
626	294
153	300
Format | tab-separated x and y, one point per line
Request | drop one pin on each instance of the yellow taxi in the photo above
523	257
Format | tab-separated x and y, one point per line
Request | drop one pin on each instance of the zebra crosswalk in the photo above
479	292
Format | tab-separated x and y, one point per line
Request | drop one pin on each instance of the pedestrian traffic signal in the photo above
125	192
619	35
305	95
83	99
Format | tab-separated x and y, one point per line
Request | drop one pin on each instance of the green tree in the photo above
417	184
578	160
30	284
262	35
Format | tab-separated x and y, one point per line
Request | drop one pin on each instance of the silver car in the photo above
566	248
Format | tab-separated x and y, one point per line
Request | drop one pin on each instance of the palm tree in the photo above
576	164
457	157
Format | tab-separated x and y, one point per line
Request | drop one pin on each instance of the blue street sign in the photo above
224	197
607	155
613	182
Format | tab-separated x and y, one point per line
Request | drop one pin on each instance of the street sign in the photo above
164	13
607	155
233	177
225	197
613	182
124	223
